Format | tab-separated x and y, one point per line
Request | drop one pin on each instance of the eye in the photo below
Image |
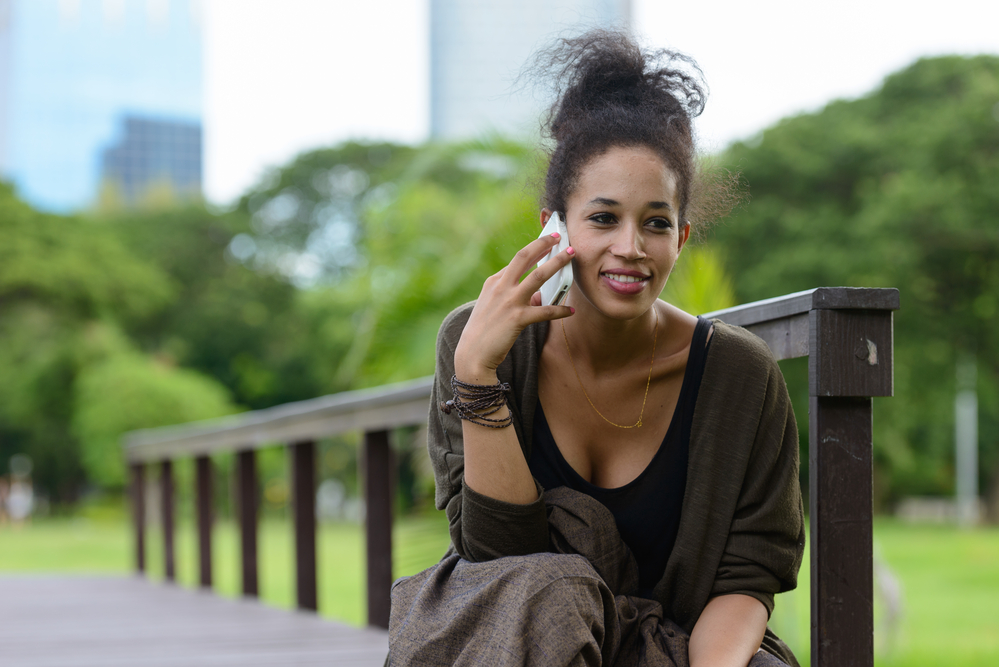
661	224
603	218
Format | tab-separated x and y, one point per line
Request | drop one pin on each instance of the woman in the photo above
655	453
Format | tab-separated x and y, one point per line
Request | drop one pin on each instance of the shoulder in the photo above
739	367
736	348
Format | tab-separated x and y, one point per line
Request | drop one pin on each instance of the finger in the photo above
536	278
536	299
531	253
542	313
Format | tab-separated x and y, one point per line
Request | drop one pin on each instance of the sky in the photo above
285	77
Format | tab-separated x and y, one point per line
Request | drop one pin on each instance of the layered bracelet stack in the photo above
475	402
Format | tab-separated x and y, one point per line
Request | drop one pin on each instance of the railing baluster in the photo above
139	515
303	486
166	491
378	524
203	501
247	488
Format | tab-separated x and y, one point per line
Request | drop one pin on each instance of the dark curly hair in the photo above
610	92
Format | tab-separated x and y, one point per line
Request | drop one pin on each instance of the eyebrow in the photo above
603	201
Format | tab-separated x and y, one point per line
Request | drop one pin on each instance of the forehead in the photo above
628	174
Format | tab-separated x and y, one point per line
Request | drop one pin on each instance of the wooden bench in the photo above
846	333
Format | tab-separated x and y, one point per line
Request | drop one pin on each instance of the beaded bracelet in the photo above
475	402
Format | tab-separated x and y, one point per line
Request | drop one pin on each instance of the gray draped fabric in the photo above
569	607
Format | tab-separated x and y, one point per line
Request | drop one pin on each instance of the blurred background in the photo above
217	206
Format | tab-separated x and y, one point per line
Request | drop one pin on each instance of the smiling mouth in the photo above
621	278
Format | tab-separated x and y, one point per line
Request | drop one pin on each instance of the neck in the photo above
605	344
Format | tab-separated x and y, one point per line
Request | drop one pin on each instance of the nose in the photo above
628	242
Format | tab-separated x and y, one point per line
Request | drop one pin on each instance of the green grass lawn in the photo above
950	598
949	577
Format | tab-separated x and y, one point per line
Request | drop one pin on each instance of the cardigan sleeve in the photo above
482	528
766	540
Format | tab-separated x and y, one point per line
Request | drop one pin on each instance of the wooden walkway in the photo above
110	621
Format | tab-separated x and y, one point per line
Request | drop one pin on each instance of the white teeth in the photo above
623	279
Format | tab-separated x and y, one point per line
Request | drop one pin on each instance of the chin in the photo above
618	308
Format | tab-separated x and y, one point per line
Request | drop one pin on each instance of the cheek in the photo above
582	243
667	253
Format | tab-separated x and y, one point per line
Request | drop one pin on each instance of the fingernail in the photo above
555	235
572	310
571	250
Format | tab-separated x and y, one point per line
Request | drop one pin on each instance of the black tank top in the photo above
647	509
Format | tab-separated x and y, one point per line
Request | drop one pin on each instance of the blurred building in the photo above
478	48
85	83
152	153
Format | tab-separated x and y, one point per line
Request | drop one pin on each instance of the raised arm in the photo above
483	480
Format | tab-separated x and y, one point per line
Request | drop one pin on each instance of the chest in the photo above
579	408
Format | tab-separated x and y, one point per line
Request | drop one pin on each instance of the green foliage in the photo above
73	266
305	217
128	391
242	327
429	252
425	228
59	278
699	283
896	189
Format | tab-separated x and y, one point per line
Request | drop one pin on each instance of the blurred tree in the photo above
417	231
898	188
305	217
699	283
460	216
58	277
127	391
241	326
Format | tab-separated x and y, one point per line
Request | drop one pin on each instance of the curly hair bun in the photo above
611	92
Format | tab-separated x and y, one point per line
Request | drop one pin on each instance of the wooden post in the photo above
841	531
139	515
850	361
203	503
166	488
303	486
378	524
247	488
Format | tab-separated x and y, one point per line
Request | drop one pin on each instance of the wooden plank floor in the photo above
108	621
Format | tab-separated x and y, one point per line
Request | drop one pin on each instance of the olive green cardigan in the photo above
741	524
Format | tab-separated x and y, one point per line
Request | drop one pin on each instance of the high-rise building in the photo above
478	48
72	70
153	152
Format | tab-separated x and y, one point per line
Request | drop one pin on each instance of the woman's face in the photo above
623	222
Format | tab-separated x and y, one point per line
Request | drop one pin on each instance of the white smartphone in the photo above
555	289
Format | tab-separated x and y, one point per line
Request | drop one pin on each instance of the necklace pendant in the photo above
639	423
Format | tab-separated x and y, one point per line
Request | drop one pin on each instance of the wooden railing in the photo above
845	332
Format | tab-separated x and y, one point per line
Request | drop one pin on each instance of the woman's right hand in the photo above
506	305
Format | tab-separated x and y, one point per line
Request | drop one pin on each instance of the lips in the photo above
621	278
625	281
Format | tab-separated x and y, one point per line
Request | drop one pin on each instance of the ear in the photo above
684	235
545	214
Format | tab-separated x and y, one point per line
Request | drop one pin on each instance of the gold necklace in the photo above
637	424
